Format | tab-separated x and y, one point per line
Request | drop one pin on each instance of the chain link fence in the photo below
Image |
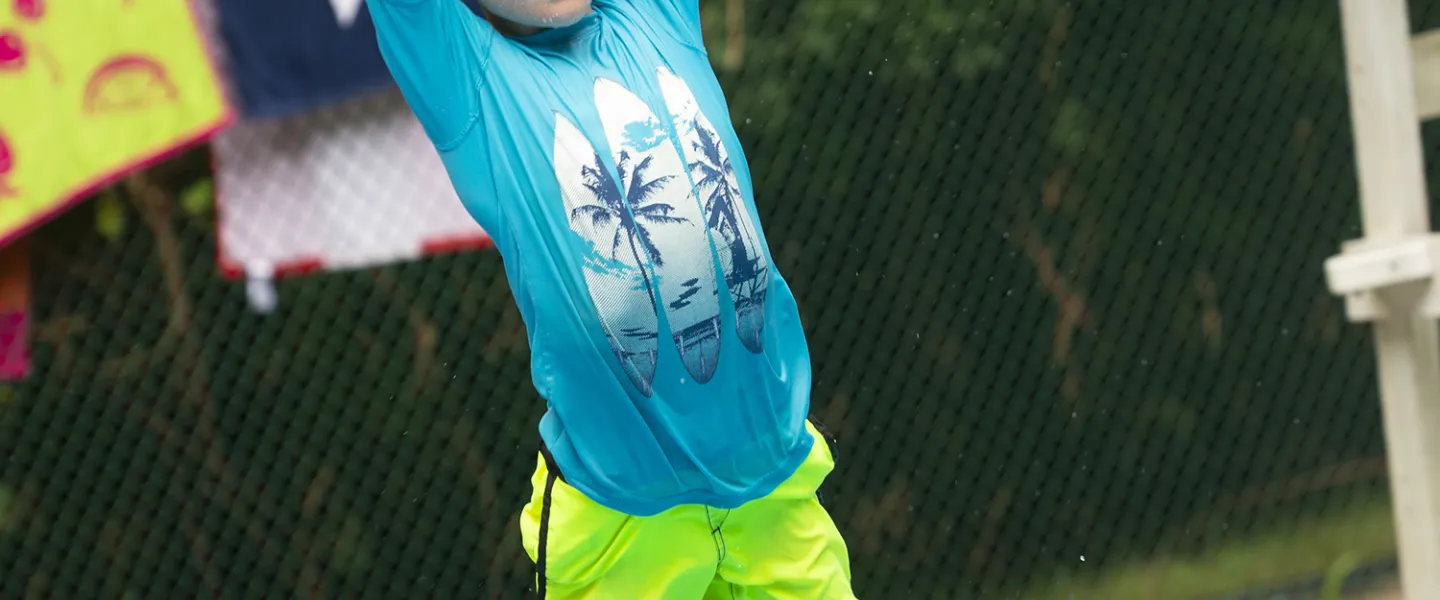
1059	264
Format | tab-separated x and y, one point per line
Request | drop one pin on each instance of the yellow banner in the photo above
90	90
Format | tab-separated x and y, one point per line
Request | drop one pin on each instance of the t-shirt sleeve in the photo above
680	17
437	50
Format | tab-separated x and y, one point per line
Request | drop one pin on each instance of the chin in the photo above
540	13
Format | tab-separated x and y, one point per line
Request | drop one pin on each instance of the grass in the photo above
1307	550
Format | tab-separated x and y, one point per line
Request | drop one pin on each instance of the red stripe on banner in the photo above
291	268
229	267
457	244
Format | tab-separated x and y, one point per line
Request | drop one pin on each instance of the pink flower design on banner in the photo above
12	51
7	164
30	10
129	82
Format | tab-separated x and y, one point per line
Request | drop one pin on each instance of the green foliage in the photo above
1335	576
110	215
1271	558
7	509
1073	128
198	199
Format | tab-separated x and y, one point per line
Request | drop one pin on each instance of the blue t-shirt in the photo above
601	158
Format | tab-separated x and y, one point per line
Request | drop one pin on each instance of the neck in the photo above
511	28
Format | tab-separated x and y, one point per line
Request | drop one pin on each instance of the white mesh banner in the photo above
351	185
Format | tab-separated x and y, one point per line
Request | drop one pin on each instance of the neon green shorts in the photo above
782	546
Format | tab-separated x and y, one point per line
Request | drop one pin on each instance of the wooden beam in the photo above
1425	48
1395	208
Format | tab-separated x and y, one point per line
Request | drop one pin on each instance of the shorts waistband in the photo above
550	463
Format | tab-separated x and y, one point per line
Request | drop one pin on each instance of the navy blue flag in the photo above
290	56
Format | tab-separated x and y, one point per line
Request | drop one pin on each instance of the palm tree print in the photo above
630	213
714	170
667	223
619	285
746	273
742	259
658	220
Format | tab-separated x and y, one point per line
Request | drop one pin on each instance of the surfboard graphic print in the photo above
666	223
614	246
742	259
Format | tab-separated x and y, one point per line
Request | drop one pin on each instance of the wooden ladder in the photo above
1391	277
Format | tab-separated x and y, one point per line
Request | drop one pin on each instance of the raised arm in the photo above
437	51
683	16
679	19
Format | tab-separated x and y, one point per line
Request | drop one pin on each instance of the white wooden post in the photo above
1389	277
1426	55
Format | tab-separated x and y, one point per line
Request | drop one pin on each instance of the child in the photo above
593	142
